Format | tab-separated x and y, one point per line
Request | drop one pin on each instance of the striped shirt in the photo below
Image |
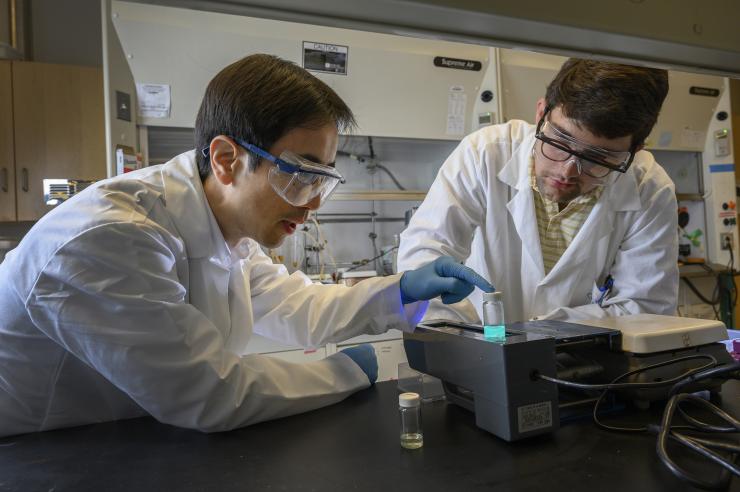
558	228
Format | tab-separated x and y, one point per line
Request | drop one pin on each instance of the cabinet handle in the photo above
24	179
5	180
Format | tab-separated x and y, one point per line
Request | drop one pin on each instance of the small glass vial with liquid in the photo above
409	410
494	324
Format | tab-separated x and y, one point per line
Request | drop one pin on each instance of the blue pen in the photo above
605	289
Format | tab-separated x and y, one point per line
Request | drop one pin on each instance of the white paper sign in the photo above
692	138
456	102
154	100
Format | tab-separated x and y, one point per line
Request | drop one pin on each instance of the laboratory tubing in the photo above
409	410
494	324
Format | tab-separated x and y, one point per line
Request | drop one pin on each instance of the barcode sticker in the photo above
534	416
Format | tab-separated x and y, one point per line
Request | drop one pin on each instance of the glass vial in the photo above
493	316
409	410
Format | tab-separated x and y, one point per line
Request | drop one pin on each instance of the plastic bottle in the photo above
409	410
493	316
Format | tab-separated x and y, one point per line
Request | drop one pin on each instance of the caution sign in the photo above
326	58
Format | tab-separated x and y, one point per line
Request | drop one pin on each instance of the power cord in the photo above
715	294
666	430
701	446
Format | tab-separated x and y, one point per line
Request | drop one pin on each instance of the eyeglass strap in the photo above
252	148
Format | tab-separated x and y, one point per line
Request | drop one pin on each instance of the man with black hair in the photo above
138	295
569	217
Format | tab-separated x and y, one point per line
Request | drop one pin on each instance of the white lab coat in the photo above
481	209
126	301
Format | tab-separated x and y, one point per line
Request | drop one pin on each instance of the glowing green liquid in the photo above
497	332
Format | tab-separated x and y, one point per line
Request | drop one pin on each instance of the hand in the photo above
364	356
443	277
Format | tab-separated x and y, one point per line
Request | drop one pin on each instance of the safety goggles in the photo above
590	160
296	179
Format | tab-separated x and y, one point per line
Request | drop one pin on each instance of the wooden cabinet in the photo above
57	127
7	159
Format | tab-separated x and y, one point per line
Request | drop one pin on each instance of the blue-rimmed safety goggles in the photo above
296	179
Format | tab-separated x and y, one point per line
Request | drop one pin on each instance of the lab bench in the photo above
353	445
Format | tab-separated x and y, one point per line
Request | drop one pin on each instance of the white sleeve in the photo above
126	317
445	223
645	269
293	310
452	210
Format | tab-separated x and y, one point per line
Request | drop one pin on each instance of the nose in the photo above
572	167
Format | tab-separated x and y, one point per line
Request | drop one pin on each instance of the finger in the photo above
455	290
450	268
452	298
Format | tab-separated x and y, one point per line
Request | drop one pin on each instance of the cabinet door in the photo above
7	159
59	129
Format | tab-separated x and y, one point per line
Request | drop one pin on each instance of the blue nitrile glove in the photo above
443	277
364	356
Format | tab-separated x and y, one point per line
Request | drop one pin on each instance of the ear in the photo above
540	109
224	155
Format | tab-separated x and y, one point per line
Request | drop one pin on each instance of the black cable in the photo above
688	373
370	146
716	298
715	294
708	374
698	446
731	265
723	445
390	175
653	384
702	446
731	272
699	294
362	159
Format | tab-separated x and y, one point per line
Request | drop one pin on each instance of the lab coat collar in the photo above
186	202
521	205
622	193
515	172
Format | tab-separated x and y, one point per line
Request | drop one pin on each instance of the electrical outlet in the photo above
725	240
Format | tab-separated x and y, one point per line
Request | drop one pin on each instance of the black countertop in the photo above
351	446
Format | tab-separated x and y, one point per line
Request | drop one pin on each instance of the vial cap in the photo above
493	296
409	400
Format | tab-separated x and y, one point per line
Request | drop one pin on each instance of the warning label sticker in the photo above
534	416
324	57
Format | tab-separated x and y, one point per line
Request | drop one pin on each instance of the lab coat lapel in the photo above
592	242
621	195
515	174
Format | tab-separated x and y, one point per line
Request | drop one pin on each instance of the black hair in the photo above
608	99
259	99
